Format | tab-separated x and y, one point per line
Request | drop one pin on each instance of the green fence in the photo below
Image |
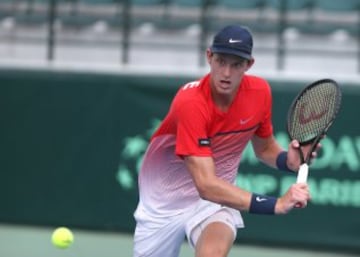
71	144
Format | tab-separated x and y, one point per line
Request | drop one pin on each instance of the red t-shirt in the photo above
195	126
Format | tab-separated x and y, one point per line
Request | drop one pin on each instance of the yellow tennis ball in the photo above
62	237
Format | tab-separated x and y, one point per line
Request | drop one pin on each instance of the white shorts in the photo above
163	235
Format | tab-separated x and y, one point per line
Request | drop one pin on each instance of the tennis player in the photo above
187	179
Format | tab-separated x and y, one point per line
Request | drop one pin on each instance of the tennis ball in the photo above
62	237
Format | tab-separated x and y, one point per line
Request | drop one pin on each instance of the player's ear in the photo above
209	54
250	63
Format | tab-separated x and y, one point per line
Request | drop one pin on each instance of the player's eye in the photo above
221	61
237	65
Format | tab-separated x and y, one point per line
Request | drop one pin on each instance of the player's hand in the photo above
296	197
294	161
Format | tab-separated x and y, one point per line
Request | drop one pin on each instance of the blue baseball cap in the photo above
233	39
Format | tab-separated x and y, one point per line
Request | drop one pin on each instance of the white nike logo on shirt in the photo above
244	121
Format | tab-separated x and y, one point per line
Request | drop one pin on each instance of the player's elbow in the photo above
206	191
204	194
260	153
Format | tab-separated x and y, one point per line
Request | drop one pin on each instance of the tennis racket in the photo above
310	116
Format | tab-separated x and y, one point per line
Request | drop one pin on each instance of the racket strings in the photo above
313	112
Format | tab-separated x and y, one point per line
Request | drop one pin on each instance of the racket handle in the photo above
302	173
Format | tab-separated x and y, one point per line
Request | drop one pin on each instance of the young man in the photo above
186	182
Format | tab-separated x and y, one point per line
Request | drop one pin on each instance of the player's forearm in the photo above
215	189
224	193
269	158
212	188
229	195
267	150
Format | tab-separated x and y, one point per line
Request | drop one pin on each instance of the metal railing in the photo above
272	16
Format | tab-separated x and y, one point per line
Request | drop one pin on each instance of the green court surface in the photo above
28	241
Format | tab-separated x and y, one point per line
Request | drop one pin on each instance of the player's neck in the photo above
222	102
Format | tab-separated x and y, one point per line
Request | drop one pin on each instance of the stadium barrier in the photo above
314	17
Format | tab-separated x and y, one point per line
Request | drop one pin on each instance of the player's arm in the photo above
266	149
271	153
212	188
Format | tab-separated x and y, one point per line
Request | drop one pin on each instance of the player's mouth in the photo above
225	81
225	84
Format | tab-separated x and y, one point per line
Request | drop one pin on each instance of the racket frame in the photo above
304	167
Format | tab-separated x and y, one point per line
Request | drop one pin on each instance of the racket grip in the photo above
302	173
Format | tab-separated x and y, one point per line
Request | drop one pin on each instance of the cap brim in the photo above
222	50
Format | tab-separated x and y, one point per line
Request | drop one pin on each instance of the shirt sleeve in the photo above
192	130
266	128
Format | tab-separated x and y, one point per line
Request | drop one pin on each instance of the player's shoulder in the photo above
191	90
188	86
192	87
255	82
192	95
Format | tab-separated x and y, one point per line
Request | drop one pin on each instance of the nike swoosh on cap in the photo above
235	40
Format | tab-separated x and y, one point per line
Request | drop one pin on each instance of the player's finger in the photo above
303	192
303	204
314	154
298	205
302	186
312	157
295	143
